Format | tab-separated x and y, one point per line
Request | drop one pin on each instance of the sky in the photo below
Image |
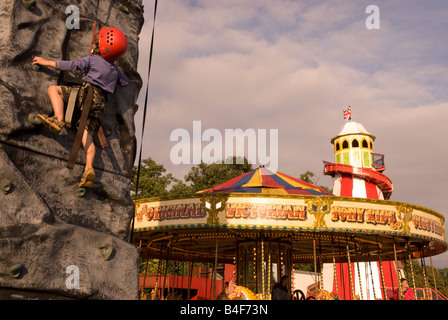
292	67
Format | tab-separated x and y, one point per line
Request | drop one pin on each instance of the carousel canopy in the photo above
266	181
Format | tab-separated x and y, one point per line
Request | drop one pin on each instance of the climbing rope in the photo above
144	112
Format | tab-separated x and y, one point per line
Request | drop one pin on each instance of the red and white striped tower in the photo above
357	172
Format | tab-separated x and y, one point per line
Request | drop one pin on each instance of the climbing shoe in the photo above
87	179
51	122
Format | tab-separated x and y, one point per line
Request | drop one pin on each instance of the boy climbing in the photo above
100	73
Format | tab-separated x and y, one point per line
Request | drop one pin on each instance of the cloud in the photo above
294	66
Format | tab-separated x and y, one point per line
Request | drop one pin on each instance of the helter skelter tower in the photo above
358	173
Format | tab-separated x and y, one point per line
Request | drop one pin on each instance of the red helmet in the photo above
113	43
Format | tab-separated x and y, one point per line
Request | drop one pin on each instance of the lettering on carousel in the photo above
426	224
265	211
361	215
175	211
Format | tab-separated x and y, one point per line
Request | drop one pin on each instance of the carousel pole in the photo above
190	271
359	275
371	277
383	283
144	279
159	267
434	277
182	278
425	277
256	265
315	267
237	262
269	266
359	280
166	271
341	268
246	265
263	270
216	266
352	290
321	265
398	275
412	273
335	275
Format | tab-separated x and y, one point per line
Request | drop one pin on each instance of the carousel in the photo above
251	230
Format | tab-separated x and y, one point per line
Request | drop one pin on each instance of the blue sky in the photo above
294	66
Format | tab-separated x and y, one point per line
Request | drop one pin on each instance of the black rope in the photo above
144	113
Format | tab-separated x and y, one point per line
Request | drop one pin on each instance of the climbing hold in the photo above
6	185
14	271
123	8
106	250
107	130
33	119
29	4
80	192
35	67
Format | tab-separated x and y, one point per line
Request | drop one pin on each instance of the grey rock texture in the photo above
44	226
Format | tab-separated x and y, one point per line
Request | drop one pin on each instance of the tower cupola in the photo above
354	146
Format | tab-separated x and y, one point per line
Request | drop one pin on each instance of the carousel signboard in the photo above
292	212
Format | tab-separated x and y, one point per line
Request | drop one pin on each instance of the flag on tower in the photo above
348	113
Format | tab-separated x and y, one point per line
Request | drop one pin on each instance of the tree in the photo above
310	177
153	180
440	276
204	176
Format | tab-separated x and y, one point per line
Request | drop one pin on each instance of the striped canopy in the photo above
266	181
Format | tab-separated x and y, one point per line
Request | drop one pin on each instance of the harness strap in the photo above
81	128
71	106
102	137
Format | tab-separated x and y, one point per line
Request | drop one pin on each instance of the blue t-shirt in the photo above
97	71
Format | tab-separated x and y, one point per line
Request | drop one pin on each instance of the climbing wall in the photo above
55	243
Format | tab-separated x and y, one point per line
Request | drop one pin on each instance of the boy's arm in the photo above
43	62
122	79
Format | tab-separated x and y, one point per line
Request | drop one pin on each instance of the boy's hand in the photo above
43	62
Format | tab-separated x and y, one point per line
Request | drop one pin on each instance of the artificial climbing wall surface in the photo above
45	226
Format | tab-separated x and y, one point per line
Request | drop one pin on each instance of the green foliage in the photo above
440	276
154	180
204	176
310	177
